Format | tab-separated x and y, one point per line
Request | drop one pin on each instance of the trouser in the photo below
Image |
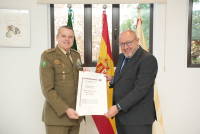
51	129
132	129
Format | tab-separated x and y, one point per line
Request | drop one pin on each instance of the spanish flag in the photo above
105	66
158	127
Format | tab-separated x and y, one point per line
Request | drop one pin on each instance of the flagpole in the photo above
104	7
69	6
139	7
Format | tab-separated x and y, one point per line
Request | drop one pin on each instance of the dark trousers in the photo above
132	129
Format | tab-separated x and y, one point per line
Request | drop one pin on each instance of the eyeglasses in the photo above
127	43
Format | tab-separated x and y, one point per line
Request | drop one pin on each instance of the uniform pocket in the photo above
61	74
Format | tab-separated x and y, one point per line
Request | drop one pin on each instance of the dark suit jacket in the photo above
134	88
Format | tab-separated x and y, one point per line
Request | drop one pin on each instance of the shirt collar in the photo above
64	50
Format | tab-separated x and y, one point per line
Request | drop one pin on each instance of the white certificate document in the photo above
92	94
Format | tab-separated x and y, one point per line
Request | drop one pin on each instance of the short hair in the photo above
65	26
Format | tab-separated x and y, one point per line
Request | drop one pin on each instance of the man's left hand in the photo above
112	112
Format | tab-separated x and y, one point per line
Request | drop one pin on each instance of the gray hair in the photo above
65	26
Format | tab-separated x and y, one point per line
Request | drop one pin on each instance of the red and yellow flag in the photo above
105	66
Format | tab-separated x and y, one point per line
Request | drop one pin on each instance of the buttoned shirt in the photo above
70	57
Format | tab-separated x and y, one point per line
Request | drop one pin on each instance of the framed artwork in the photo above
14	28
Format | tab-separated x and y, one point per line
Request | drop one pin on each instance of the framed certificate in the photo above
92	94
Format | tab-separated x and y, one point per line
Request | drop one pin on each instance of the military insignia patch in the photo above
57	61
43	64
78	62
63	77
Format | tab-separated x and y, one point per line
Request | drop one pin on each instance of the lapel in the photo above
130	63
63	57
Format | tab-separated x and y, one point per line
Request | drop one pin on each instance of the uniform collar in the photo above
64	50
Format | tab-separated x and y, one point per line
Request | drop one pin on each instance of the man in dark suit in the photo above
133	83
59	70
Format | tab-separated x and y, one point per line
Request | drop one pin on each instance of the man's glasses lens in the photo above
127	43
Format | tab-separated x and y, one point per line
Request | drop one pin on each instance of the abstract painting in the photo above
14	28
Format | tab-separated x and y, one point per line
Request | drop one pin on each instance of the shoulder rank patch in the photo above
43	64
74	50
50	50
57	51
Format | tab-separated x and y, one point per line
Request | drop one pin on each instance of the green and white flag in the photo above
69	23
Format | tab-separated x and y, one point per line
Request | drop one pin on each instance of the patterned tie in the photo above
126	60
69	57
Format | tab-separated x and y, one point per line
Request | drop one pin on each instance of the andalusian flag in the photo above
69	23
105	66
158	127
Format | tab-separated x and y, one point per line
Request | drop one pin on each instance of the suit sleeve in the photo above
144	81
47	85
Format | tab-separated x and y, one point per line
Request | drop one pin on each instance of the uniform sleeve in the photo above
144	81
47	85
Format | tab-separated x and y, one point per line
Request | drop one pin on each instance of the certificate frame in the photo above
14	28
92	94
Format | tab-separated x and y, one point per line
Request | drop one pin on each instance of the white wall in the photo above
178	86
21	99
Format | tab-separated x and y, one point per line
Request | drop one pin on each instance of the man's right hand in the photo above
108	78
72	114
